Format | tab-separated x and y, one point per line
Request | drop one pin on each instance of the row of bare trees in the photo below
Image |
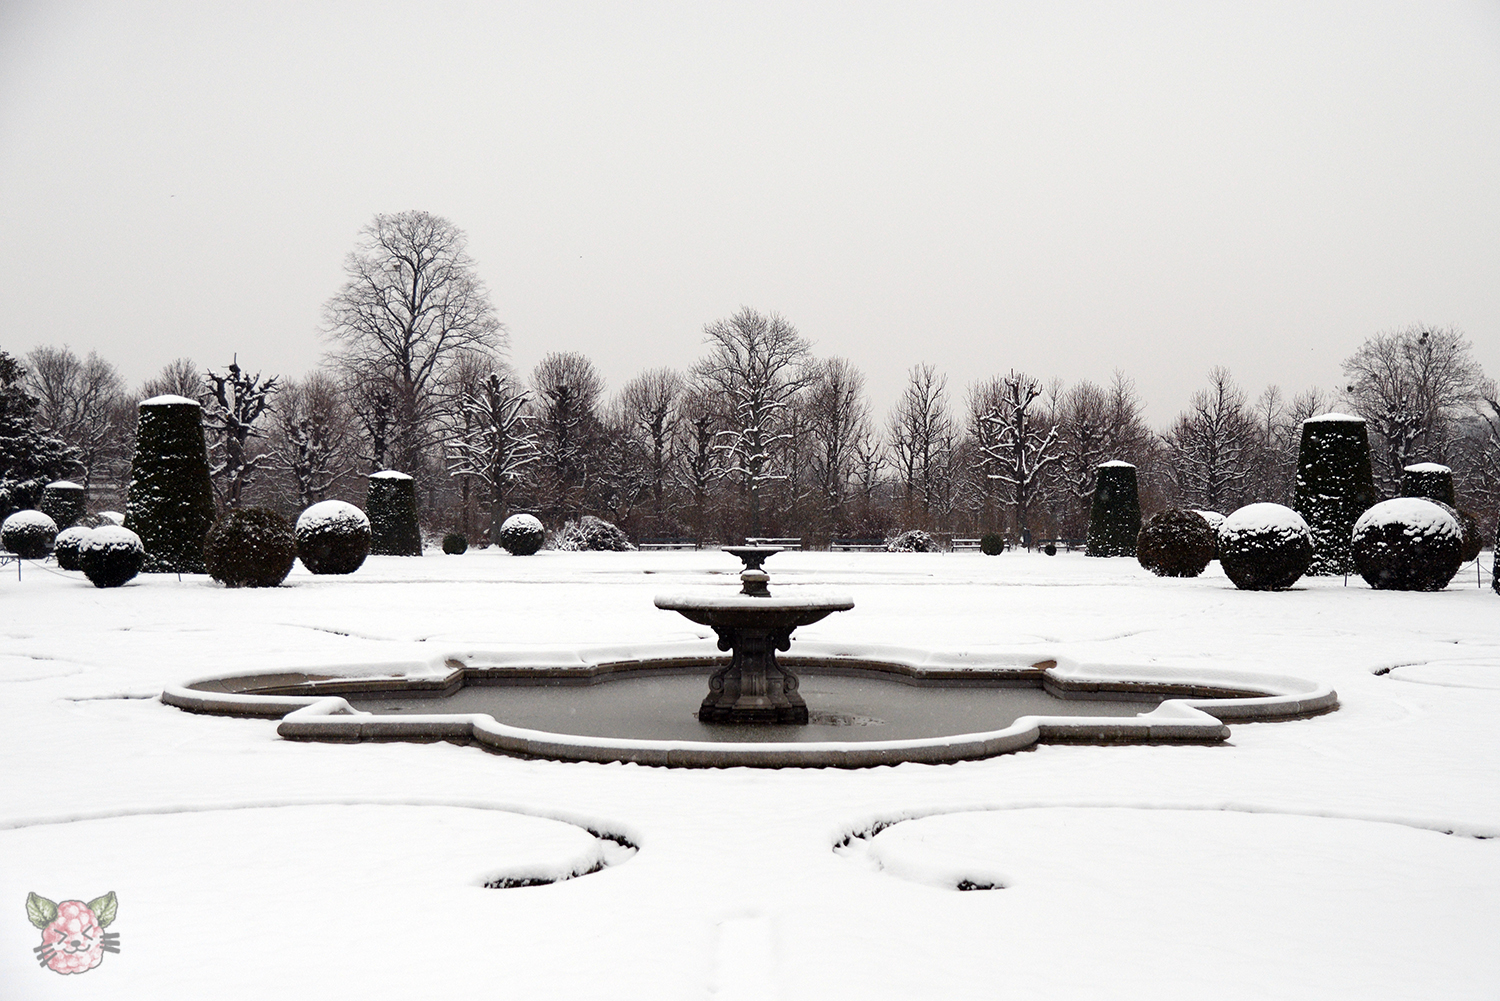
758	437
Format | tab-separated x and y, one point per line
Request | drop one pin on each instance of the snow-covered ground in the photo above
1344	856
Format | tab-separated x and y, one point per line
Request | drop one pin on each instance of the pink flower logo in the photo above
73	935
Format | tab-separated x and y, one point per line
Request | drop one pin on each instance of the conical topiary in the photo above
392	507
1334	487
170	501
1430	480
1115	517
64	502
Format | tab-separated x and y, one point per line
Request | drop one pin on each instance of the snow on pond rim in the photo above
1187	706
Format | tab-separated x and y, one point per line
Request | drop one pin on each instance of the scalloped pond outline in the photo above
1194	705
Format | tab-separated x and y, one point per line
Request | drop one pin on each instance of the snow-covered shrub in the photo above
1428	479
913	540
333	537
1473	540
455	543
112	555
392	503
1214	518
68	547
170	501
591	533
1176	543
522	535
1407	544
1265	547
65	502
1334	487
110	517
992	543
1115	515
250	547
28	534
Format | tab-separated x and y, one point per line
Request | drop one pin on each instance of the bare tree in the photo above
1211	444
495	442
567	388
412	298
83	402
983	448
921	435
756	365
236	401
312	436
648	415
1025	448
838	418
698	467
179	377
1410	385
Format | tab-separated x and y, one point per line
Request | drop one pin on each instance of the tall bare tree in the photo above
494	442
756	365
838	417
567	391
312	436
648	411
1410	386
236	402
412	298
1025	446
83	402
1211	445
921	436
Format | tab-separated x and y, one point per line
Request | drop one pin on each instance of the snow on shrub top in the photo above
389	474
1214	518
112	537
169	400
113	517
29	520
522	522
1115	462
1426	467
329	513
1334	417
1419	515
65	485
1276	518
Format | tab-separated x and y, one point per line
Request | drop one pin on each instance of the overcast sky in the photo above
1063	188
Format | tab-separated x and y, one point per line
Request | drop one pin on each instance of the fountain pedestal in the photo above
753	688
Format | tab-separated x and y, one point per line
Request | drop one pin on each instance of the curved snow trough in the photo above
1177	705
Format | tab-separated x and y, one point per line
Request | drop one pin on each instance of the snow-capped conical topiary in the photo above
1176	543
112	555
1265	547
392	505
1334	487
333	537
1407	544
522	535
170	502
64	502
1428	479
250	547
1115	516
28	534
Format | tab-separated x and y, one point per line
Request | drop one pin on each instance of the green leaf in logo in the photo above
40	910
104	908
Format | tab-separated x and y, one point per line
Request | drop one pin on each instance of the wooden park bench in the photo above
1069	544
856	545
789	543
672	542
965	545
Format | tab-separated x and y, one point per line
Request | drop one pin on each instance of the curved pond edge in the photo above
1194	706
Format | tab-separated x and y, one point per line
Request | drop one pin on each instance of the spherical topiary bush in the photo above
170	500
1265	547
1407	544
68	547
392	504
64	502
333	537
1050	549
591	533
1473	540
1176	543
992	543
522	535
1334	487
250	547
28	534
1428	479
112	555
455	543
912	541
1115	515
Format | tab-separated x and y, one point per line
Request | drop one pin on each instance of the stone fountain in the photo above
753	624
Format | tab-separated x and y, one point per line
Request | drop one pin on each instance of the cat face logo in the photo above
73	935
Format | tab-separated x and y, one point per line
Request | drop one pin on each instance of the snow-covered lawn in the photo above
1344	856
